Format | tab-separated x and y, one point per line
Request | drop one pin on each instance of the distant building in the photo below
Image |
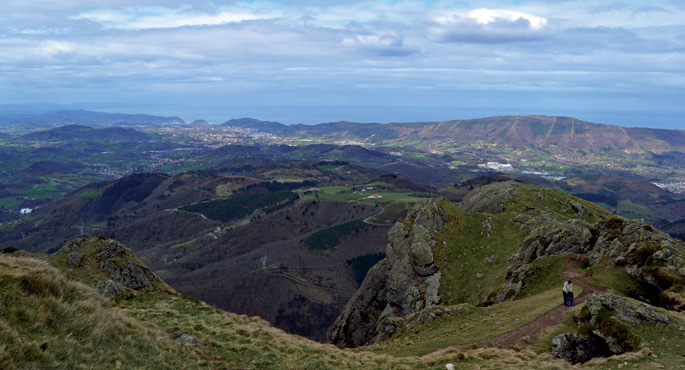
25	211
504	167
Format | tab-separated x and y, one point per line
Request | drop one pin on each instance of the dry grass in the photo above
47	321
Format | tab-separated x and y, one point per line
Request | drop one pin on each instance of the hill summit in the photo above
505	244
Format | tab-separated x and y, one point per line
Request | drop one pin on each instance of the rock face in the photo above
405	282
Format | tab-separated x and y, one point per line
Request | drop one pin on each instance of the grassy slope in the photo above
47	321
466	241
470	325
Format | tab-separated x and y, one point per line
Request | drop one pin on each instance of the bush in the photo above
9	249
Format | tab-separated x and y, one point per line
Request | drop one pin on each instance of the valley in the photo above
410	241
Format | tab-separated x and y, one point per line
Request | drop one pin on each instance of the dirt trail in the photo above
556	316
535	329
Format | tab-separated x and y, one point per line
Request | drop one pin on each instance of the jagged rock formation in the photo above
405	282
111	268
602	329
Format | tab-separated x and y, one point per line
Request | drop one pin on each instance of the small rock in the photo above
449	366
109	289
682	328
490	260
479	276
74	259
187	339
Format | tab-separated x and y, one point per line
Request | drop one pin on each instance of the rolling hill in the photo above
474	284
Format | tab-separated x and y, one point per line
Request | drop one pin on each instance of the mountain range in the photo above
565	132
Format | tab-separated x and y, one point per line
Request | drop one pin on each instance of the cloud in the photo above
487	26
298	50
140	18
485	16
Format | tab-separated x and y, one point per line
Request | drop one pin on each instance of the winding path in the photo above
536	328
553	317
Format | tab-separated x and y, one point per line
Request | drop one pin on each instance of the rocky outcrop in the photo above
579	348
602	328
517	280
550	237
490	198
113	258
405	282
649	256
108	289
108	265
74	259
388	326
624	309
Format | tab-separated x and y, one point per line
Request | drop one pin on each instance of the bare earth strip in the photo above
556	316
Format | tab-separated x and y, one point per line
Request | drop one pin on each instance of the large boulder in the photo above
577	349
405	282
624	309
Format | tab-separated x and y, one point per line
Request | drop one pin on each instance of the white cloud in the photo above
486	16
140	18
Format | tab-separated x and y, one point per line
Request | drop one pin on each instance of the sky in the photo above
614	62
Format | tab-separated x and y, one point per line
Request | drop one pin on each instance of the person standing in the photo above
568	293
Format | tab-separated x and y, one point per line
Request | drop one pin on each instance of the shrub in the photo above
10	249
